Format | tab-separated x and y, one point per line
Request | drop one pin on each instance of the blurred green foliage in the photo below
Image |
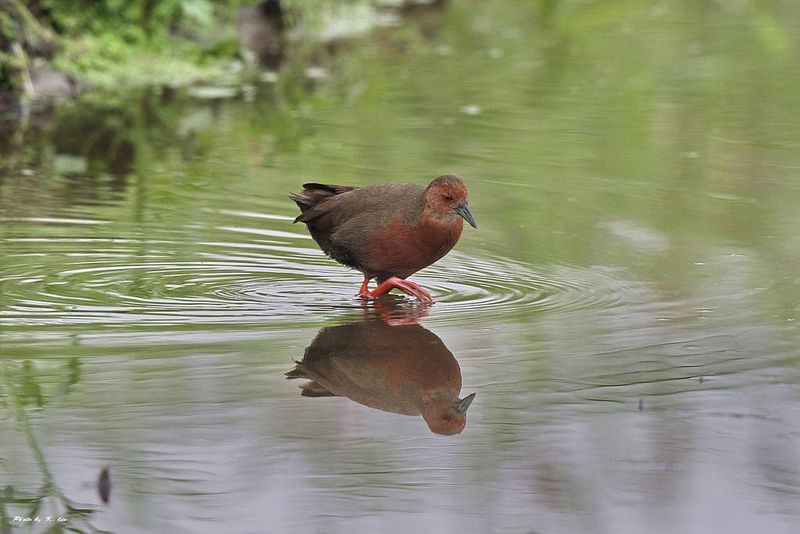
135	20
152	42
156	40
105	42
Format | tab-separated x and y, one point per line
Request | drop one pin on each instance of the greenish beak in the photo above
463	211
463	404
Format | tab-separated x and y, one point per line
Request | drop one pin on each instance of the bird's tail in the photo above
299	371
314	193
312	388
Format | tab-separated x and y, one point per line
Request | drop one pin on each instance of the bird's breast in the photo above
403	248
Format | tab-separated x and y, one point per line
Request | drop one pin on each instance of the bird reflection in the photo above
403	369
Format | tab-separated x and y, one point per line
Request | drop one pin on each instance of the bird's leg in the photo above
364	291
406	286
394	315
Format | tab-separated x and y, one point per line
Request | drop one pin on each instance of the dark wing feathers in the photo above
334	189
299	371
314	389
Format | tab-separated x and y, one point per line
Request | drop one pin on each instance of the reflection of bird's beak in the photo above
463	211
463	404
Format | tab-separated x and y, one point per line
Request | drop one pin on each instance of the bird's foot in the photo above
406	286
395	312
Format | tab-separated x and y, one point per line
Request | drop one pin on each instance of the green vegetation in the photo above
144	41
113	42
116	41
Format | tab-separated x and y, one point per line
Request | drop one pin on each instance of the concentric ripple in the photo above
497	286
250	275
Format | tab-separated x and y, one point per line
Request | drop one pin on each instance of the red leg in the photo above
401	315
364	291
406	286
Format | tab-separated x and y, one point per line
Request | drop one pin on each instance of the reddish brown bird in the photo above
386	231
400	369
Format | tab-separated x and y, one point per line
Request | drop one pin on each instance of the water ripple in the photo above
276	278
497	286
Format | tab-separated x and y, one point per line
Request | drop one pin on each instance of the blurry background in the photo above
626	313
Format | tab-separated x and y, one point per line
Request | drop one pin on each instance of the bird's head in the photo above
448	194
446	416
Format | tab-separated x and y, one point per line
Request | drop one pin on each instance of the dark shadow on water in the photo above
401	368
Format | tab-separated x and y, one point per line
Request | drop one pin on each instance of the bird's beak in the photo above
463	211
463	404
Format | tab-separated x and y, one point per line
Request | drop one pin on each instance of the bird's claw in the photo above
422	294
406	286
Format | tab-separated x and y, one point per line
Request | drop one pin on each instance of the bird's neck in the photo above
433	215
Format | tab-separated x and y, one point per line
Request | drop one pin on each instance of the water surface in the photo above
626	314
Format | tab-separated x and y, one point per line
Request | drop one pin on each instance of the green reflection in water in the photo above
635	170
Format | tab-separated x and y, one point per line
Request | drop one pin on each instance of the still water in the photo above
626	315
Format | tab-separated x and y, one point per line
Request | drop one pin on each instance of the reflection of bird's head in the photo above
446	416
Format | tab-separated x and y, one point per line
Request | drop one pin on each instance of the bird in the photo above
404	369
386	231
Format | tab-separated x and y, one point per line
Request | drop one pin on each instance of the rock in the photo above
50	83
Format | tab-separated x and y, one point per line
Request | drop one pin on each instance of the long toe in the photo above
426	295
420	293
405	286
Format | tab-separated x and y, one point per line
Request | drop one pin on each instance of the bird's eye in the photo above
448	197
